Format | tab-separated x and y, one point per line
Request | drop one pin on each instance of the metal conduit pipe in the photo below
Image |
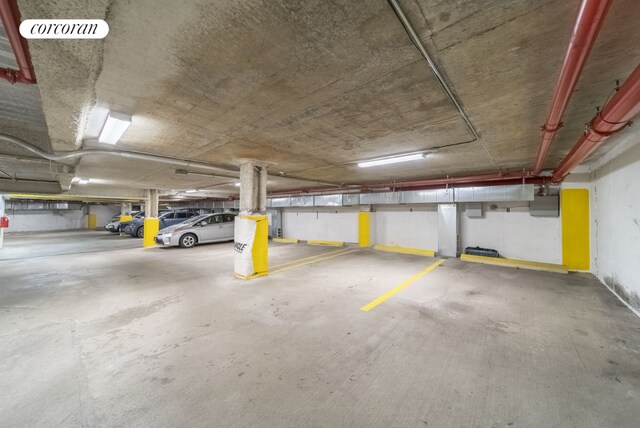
10	16
614	116
119	153
418	44
184	164
588	23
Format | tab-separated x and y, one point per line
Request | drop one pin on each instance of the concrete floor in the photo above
110	336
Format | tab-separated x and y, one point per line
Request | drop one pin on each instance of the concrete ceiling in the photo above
311	87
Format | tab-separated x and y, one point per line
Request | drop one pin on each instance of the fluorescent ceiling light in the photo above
389	160
191	191
84	180
114	127
237	184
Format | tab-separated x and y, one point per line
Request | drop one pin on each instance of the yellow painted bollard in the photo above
151	228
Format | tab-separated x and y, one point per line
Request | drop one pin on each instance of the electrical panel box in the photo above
545	206
473	209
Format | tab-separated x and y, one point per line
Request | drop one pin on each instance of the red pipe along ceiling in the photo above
587	26
10	16
614	116
585	30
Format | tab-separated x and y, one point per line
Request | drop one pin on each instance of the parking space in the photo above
320	213
175	332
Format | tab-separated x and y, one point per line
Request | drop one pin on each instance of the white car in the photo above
216	227
114	224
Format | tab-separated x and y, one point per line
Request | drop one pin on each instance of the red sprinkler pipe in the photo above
10	16
615	115
588	24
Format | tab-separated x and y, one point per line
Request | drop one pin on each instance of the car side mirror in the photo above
203	223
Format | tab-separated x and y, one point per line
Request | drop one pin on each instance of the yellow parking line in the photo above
312	261
400	287
310	257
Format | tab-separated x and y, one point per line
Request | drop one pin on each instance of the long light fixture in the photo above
392	159
114	127
191	191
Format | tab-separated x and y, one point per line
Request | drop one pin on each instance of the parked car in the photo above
136	227
198	230
115	224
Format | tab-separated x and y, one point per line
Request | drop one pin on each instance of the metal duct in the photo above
523	192
520	192
302	201
327	201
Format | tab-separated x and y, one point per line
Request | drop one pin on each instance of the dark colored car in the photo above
138	216
136	227
115	224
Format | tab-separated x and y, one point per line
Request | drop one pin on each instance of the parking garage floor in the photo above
101	332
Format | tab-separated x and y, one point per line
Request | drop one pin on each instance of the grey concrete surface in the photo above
168	337
311	87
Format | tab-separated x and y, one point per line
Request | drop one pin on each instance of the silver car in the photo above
198	230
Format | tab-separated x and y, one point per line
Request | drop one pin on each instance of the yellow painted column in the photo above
574	212
260	251
364	229
91	221
125	218
151	227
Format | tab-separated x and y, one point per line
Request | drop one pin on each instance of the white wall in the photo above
515	234
43	220
104	213
413	226
616	202
328	224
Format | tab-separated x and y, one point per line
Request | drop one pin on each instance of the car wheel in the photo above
188	240
140	232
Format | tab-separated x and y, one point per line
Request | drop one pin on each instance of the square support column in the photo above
251	236
151	221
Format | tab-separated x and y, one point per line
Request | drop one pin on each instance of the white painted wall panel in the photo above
616	202
515	234
321	223
104	213
34	221
398	226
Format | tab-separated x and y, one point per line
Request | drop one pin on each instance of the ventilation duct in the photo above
521	192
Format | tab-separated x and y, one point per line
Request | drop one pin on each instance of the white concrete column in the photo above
152	203
123	209
251	258
262	190
253	188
